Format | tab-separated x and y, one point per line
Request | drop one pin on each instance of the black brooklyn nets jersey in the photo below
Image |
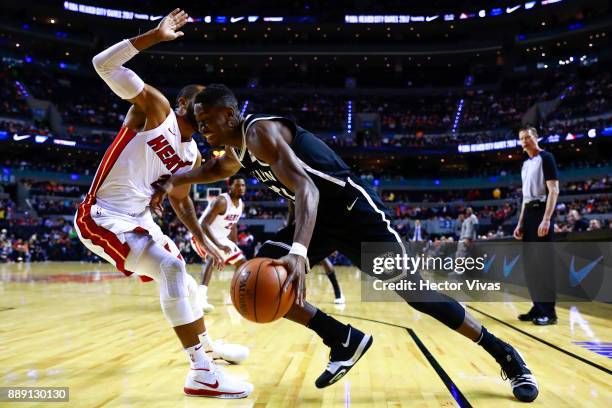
326	169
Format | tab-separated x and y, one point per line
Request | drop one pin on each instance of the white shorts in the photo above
103	232
235	255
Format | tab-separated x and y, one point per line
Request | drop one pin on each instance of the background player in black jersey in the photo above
333	211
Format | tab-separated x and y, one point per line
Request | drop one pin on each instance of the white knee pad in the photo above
174	292
194	297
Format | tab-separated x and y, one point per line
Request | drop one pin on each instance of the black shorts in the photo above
354	214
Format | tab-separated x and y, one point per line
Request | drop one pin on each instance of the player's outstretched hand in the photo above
296	270
168	28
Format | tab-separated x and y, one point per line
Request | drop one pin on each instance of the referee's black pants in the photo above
539	270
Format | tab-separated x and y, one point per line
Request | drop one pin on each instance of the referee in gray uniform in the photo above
536	224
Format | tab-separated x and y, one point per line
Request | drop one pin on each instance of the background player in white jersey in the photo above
115	221
221	219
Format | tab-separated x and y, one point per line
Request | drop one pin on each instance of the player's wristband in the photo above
299	249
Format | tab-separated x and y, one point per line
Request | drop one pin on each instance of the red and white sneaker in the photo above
214	383
232	353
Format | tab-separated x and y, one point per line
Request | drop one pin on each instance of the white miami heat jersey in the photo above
222	224
137	162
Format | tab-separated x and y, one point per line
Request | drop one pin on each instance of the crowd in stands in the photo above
12	99
67	165
48	237
590	185
52	188
44	231
46	240
416	120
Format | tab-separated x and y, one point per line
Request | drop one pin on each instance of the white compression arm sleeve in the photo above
109	65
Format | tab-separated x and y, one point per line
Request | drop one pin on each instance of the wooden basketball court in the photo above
87	327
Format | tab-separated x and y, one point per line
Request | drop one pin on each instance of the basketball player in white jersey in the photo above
221	217
115	220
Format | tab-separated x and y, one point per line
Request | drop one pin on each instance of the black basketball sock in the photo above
332	278
494	346
328	328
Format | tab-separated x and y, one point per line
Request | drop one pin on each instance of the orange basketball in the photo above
256	291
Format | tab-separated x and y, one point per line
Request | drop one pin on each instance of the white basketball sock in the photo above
197	357
206	341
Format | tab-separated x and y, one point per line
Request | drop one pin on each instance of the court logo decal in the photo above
577	276
508	267
488	263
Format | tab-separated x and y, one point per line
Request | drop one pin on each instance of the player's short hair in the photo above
235	177
529	129
217	95
189	91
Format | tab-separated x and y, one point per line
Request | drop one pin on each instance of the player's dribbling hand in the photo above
167	29
518	232
296	270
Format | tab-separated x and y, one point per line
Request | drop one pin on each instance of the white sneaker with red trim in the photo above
207	307
214	383
232	353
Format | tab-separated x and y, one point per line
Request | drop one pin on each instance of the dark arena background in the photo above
423	100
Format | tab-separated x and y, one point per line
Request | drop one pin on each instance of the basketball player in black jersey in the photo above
333	211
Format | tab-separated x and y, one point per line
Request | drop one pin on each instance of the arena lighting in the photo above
592	133
512	9
349	18
458	115
244	107
483	147
349	116
19	138
22	88
64	142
